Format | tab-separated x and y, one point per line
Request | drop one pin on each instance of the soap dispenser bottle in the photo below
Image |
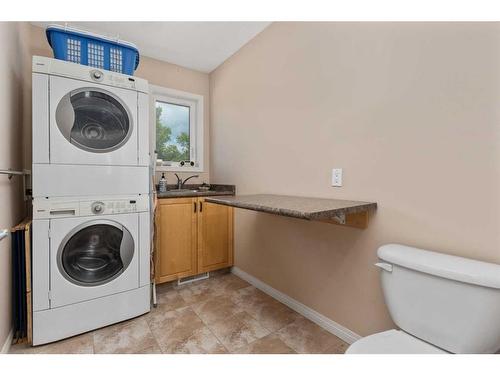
162	185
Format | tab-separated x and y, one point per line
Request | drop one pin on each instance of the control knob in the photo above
97	208
96	75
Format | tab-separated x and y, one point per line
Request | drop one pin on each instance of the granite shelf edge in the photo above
305	215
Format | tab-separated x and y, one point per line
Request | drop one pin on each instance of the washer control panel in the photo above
114	206
97	208
89	206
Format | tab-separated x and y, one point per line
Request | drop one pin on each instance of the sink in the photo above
182	191
186	192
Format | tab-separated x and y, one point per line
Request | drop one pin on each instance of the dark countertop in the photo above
297	207
192	190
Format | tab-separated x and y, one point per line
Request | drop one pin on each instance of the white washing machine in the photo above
90	263
90	131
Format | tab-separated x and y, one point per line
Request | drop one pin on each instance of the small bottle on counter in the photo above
162	185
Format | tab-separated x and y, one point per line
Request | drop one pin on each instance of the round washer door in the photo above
94	120
95	253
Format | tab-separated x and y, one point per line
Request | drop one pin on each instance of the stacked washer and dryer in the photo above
91	203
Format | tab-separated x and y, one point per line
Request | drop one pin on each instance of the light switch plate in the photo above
337	177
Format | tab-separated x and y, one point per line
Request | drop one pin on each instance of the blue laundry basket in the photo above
85	48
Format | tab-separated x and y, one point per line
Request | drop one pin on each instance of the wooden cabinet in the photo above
215	236
192	236
176	243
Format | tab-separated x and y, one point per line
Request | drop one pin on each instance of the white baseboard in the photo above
8	342
333	327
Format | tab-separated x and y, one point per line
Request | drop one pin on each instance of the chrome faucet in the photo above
180	182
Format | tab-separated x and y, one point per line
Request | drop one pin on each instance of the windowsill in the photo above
164	168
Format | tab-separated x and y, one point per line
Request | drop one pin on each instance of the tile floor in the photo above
223	314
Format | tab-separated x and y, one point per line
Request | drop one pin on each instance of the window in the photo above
172	132
178	130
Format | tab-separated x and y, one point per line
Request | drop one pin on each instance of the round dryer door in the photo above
95	253
94	120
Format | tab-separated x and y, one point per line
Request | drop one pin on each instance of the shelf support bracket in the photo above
356	220
340	218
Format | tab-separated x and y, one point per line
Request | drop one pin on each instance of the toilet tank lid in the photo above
447	266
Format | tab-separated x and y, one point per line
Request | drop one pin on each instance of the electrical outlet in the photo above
337	177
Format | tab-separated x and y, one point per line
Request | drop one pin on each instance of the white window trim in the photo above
195	102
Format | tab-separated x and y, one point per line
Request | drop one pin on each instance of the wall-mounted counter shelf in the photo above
335	211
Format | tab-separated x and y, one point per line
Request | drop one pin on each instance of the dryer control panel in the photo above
47	65
45	208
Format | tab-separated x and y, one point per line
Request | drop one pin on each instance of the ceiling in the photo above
201	46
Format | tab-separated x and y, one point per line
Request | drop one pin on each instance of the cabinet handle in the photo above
201	206
194	205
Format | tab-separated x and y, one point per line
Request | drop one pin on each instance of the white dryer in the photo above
90	263
83	115
90	131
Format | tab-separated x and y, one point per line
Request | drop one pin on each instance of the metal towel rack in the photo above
26	180
11	172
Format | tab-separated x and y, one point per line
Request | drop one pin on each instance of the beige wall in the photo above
157	73
410	111
13	60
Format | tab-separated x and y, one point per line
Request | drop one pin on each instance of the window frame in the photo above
196	127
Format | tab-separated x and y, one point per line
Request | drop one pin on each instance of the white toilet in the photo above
441	303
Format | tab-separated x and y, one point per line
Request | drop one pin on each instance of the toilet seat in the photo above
392	342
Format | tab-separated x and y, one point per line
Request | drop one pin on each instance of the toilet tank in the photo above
448	301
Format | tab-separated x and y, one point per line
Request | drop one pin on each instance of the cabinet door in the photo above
215	236
176	239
